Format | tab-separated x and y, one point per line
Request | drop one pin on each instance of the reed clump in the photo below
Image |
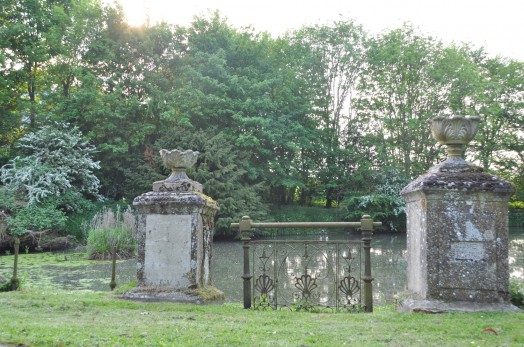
112	230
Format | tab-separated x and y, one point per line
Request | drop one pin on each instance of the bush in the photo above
52	181
517	293
385	204
22	217
57	214
36	218
380	207
58	161
516	205
111	231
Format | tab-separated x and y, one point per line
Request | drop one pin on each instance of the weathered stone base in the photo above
207	295
436	306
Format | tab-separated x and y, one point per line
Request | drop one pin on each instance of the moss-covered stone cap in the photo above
190	198
466	180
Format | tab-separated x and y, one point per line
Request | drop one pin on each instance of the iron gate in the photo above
308	275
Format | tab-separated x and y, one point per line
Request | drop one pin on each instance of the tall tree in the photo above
10	116
242	82
83	21
122	98
500	101
32	32
335	60
401	94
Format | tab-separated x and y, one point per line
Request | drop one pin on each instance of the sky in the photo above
497	25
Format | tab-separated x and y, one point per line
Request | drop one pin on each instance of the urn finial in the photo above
178	161
455	132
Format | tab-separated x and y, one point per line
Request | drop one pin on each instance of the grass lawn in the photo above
84	318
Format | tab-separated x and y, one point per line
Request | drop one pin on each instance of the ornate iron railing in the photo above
310	275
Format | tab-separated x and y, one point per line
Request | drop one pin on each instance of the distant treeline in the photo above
316	116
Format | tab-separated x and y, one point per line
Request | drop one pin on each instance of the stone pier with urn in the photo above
175	223
457	230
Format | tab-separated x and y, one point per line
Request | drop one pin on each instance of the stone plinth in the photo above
175	239
457	236
175	235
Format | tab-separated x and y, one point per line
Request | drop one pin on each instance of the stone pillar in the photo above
457	230
175	223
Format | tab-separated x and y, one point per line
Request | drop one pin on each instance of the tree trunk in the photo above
304	194
329	198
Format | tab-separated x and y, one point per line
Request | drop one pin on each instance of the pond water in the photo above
388	263
388	259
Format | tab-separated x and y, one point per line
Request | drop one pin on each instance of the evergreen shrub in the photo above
223	170
381	208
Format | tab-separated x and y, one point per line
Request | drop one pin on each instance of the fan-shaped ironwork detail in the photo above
349	286
306	284
264	284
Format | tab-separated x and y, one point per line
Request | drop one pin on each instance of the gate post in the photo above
245	234
366	228
175	236
457	230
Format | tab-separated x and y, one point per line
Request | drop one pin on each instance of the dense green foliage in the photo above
42	217
57	160
53	179
385	203
310	116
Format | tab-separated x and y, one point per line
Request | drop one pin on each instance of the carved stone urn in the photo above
178	162
455	132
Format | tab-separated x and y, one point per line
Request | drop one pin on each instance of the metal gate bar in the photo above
366	226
